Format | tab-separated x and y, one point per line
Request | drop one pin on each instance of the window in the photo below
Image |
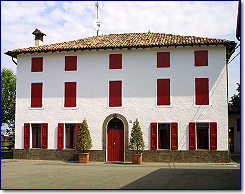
115	61
202	91
38	135
36	95
70	63
201	58
37	64
163	92
115	93
163	59
164	136
70	131
203	136
70	94
70	135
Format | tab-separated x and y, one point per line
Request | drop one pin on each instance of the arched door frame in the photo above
105	124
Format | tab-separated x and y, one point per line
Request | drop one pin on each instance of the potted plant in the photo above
84	142
136	143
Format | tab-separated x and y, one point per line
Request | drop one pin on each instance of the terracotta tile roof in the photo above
127	40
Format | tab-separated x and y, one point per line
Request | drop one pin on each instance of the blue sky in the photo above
65	21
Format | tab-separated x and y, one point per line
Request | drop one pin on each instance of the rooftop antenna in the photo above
98	24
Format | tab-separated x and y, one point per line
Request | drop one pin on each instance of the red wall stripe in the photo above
27	135
174	136
60	135
192	136
115	93
163	92
37	64
36	95
44	135
163	59
153	136
70	94
202	91
201	58
213	136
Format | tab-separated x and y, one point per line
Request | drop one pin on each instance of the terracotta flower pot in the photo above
137	158
83	157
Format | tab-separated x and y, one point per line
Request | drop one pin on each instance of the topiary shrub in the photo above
136	139
84	141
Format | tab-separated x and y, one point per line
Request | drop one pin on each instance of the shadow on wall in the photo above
188	179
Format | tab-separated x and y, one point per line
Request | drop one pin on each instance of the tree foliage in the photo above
235	100
136	139
84	141
8	97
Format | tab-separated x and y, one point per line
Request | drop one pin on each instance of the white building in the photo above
175	85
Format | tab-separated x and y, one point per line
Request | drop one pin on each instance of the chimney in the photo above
38	37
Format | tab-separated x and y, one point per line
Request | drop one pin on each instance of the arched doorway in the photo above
115	140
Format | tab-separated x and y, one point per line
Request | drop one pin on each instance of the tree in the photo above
235	100
8	98
84	141
136	139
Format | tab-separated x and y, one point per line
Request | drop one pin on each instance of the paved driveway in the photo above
30	174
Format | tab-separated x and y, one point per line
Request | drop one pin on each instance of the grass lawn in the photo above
236	159
6	154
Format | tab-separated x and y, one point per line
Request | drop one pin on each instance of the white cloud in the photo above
65	20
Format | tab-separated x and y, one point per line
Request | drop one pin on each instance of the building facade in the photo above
175	85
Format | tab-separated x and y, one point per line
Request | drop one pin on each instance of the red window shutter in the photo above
27	135
174	136
192	136
163	92
202	91
115	93
70	94
213	136
201	58
153	136
36	95
78	127
44	135
115	61
70	63
37	64
60	135
163	59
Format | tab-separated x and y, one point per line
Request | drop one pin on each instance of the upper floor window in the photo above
36	95
70	63
201	58
115	61
202	91
115	93
37	64
70	94
163	59
163	92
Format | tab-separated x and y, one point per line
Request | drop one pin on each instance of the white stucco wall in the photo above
138	75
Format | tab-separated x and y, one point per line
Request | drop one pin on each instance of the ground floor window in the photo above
202	135
70	135
36	135
163	135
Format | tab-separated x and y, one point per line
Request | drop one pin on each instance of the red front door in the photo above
115	143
